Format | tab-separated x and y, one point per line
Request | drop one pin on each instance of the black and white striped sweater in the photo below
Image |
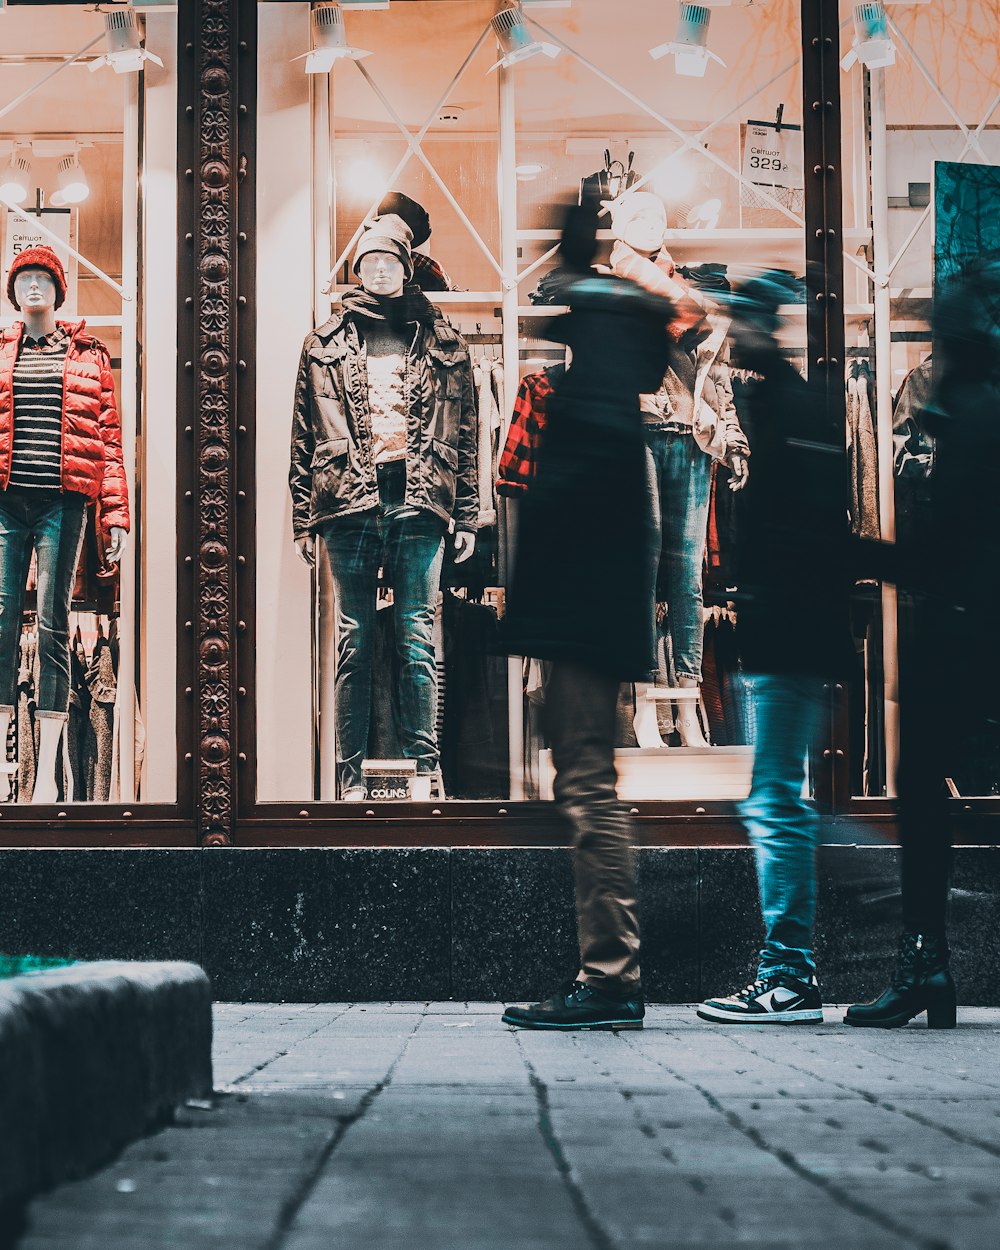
36	459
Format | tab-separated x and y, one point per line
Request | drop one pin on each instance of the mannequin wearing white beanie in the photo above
639	223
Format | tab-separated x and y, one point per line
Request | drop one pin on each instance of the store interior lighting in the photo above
872	45
689	46
365	4
329	39
125	53
15	179
72	186
516	41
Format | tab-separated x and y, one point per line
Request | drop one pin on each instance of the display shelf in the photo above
439	297
745	238
786	310
95	322
671	773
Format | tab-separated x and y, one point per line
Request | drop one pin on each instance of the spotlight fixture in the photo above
15	179
872	45
690	46
516	41
125	53
329	37
72	185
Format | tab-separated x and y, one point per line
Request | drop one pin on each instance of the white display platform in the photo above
672	772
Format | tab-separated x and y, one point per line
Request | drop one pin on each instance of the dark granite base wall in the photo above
333	925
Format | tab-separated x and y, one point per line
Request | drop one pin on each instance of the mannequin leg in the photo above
16	539
58	539
354	545
686	480
645	723
50	731
414	559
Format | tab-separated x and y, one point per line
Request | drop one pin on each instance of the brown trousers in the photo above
580	719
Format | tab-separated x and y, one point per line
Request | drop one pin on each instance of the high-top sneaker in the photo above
922	982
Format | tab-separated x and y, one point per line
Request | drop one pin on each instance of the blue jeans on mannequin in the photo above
781	824
408	544
681	481
53	524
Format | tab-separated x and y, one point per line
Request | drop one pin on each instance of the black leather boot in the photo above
921	982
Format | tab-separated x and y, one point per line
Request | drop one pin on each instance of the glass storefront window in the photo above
921	142
87	512
491	158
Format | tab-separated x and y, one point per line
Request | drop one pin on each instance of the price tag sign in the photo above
773	157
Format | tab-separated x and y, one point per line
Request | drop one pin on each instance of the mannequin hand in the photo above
305	546
119	541
465	545
740	471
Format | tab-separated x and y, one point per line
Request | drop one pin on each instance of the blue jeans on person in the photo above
408	545
53	523
783	826
681	481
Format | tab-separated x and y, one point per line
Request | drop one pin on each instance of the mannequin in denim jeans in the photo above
56	524
413	549
680	466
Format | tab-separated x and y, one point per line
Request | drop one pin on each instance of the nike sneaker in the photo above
779	999
580	1005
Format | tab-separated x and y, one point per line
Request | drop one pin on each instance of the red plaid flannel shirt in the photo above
519	460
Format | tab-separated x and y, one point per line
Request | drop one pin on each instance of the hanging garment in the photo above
519	461
862	452
912	447
27	743
488	421
102	683
474	743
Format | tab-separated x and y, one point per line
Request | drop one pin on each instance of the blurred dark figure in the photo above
792	556
949	680
580	597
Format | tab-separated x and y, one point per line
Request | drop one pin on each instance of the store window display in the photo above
384	471
89	562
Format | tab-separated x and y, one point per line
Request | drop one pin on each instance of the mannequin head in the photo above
382	273
43	260
35	290
383	259
639	219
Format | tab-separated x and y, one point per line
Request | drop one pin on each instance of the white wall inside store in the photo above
285	291
158	499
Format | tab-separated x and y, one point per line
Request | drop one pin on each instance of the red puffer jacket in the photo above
91	432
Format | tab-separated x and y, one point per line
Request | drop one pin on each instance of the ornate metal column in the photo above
211	368
824	244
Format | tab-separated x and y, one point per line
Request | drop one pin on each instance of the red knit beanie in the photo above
40	257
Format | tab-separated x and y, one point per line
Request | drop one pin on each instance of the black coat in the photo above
793	562
582	587
332	472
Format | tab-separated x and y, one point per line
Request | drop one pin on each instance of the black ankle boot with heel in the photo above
922	982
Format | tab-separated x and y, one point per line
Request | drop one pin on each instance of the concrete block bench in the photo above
93	1056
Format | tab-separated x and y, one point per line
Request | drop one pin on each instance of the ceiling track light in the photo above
125	53
689	47
329	41
72	186
516	41
872	45
15	179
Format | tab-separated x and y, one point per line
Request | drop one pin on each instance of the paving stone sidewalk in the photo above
433	1127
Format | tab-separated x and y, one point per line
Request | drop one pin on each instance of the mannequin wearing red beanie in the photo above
60	447
40	257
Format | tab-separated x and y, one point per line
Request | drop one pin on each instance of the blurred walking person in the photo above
793	634
581	597
949	680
